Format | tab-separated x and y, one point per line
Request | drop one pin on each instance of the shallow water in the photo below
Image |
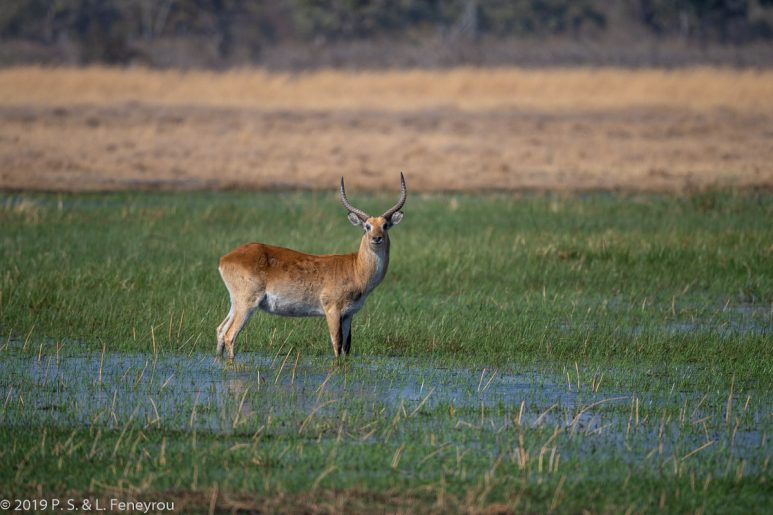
203	393
79	389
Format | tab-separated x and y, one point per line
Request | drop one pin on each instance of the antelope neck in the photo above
371	264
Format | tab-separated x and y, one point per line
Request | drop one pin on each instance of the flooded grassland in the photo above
601	352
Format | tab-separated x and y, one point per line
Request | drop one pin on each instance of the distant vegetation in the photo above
300	33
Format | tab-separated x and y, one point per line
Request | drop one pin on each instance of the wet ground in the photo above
77	389
206	394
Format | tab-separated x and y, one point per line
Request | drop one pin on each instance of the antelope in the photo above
290	283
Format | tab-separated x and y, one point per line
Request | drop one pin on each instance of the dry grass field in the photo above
509	129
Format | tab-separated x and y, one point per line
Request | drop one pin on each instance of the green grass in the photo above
664	300
617	280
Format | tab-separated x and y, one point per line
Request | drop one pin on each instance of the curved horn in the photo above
362	215
388	214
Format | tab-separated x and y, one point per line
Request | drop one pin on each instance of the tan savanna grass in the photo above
466	88
459	129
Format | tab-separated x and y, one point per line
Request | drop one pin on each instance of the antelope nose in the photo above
377	239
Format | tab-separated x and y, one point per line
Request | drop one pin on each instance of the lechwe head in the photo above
289	283
376	227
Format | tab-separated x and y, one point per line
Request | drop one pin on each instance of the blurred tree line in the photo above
198	32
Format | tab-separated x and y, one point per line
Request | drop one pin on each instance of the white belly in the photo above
289	307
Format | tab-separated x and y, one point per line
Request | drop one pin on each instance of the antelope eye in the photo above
367	227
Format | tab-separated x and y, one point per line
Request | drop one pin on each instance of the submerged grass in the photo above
642	326
390	433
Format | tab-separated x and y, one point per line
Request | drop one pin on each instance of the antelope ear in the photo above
396	217
355	220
